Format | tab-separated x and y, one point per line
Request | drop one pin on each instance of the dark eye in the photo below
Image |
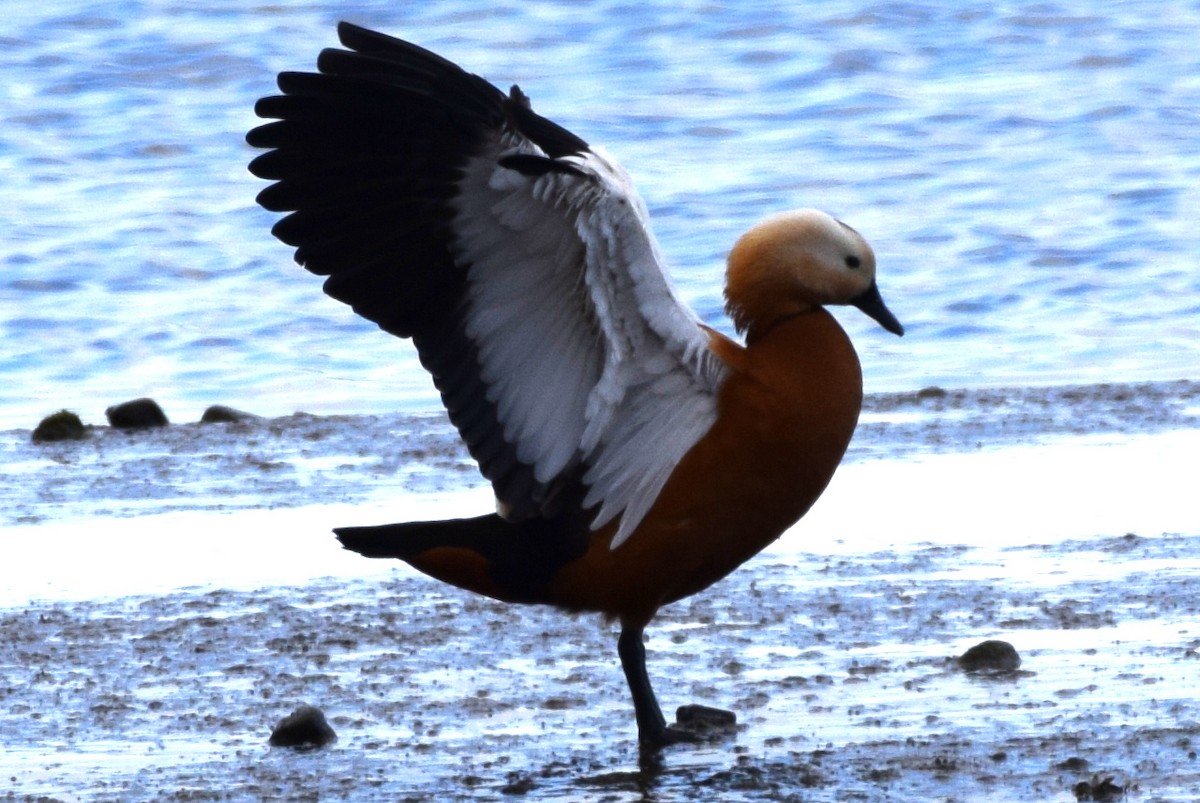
852	262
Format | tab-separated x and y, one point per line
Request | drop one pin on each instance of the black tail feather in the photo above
522	557
407	540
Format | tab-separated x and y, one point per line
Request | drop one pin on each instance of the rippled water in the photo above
1027	173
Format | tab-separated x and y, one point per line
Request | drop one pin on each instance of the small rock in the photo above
520	784
932	392
61	426
704	721
1102	789
990	656
303	729
136	414
220	414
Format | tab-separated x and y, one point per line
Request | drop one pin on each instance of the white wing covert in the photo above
587	352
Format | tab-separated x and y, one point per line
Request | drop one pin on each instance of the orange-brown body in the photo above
785	417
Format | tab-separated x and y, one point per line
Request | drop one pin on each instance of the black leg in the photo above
652	726
650	718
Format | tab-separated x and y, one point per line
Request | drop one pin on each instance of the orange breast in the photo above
785	417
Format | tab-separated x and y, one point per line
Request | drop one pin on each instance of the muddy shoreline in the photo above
841	671
173	594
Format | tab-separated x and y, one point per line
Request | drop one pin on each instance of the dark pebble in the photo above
136	414
220	414
1102	789
519	785
702	716
303	729
61	426
990	656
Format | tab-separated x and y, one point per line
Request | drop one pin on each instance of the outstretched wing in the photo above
517	258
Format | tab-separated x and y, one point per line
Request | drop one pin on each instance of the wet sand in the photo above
155	663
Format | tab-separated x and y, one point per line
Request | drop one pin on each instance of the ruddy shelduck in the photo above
637	455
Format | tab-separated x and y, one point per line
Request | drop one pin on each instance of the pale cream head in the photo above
795	261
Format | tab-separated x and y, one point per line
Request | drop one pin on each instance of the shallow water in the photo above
303	460
1026	173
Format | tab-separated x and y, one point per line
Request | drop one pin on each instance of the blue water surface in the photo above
1027	173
